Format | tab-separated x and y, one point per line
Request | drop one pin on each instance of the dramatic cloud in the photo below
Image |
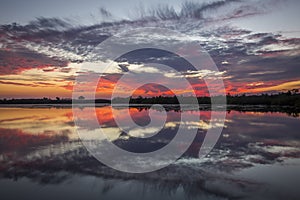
243	57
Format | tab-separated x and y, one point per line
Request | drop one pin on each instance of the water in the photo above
42	157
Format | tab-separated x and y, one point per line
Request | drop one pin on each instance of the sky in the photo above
45	44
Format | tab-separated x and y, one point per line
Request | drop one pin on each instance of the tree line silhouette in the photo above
57	100
289	98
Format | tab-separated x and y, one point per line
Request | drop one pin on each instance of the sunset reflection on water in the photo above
40	147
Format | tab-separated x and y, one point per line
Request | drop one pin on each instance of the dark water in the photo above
41	157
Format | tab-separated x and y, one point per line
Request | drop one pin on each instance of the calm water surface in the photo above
41	157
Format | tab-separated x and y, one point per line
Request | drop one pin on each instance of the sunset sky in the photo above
46	45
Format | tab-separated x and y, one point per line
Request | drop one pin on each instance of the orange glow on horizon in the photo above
24	85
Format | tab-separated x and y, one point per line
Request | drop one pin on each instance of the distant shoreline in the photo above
290	110
291	99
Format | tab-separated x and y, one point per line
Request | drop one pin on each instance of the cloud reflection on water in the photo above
42	145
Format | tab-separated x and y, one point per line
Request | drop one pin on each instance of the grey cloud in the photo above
62	42
104	12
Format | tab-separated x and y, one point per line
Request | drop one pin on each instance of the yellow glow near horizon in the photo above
283	86
36	83
54	82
